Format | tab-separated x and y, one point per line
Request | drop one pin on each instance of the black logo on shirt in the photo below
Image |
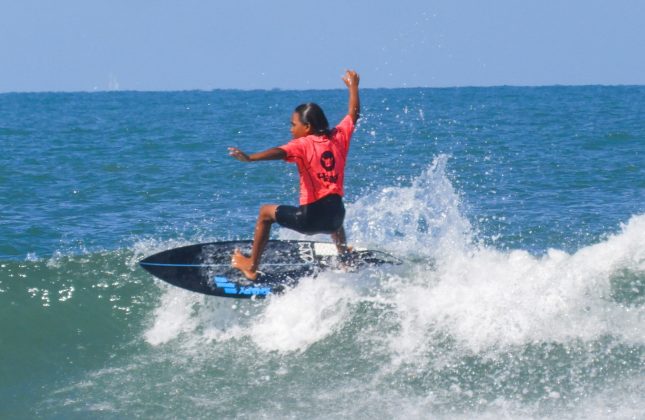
327	161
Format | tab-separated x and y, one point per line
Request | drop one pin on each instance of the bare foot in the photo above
244	264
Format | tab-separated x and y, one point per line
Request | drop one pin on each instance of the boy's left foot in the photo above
244	264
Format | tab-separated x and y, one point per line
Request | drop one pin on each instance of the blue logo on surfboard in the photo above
232	288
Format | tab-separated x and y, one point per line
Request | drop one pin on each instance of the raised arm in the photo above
351	80
275	153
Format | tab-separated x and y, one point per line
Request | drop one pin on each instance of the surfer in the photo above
320	153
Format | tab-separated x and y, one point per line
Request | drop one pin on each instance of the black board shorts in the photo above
323	216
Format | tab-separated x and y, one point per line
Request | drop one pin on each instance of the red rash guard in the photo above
321	161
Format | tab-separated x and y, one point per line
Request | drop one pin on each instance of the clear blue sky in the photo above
85	45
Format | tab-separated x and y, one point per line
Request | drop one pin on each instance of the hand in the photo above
238	154
351	78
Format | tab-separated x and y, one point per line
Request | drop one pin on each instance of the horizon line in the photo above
277	89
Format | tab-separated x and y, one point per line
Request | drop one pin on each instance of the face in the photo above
298	129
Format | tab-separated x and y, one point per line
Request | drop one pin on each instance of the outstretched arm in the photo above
275	153
351	80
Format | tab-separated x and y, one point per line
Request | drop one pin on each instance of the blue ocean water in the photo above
520	213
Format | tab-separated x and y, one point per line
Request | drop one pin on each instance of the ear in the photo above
308	127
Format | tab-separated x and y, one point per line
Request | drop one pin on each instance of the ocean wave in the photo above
483	298
461	329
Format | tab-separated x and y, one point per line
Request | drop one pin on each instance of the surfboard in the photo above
206	268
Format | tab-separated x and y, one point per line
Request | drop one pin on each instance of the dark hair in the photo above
313	115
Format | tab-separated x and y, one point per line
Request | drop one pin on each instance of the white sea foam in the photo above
286	323
305	315
483	298
488	299
173	316
423	219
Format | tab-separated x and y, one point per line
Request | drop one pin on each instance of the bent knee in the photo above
267	213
